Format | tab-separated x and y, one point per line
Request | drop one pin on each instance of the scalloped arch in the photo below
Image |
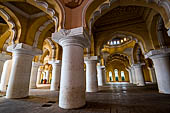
13	23
91	12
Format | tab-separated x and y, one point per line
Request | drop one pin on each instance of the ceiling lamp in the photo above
125	39
73	3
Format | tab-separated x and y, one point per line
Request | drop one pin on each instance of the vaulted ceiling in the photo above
121	16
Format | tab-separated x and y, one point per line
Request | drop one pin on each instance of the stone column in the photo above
139	74
47	76
104	75
130	75
161	61
152	74
39	75
91	74
56	73
168	32
3	58
100	75
133	75
34	73
72	84
18	86
5	75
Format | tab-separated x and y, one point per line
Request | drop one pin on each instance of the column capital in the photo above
4	57
22	48
90	58
36	64
58	62
101	67
158	53
138	65
77	36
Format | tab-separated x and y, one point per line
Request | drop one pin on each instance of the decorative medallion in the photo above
73	3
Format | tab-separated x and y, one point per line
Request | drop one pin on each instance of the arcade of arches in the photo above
74	47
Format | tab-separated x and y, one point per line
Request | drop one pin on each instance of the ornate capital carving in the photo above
22	48
158	53
76	36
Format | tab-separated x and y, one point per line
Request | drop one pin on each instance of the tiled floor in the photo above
110	99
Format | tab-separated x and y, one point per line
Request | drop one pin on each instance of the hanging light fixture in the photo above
73	3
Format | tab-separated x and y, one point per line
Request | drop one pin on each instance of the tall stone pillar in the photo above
56	73
168	32
152	74
104	76
39	75
18	86
139	74
130	75
100	75
3	58
133	75
72	84
91	74
161	61
5	75
47	73
34	73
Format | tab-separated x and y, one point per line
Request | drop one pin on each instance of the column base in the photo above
72	99
163	92
16	96
92	91
54	89
140	84
33	87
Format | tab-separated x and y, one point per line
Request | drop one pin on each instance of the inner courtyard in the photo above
85	56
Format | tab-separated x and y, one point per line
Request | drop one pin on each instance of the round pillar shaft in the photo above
100	76
130	75
91	76
18	86
162	69
34	72
5	75
152	74
72	89
3	58
139	75
56	73
133	75
39	75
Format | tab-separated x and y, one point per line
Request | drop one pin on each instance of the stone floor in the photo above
110	99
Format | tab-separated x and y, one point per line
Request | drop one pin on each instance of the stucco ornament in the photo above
73	3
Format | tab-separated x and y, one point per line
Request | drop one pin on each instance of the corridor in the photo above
109	99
